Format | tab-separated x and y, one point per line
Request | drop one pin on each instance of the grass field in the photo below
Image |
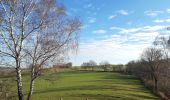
91	85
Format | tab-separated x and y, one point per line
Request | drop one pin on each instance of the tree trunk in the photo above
113	69
156	85
31	84
19	83
104	68
31	89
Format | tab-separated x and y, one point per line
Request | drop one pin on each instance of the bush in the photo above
5	89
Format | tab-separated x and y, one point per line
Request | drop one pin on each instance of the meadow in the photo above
86	85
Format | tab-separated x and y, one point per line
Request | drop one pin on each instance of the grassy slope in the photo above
94	85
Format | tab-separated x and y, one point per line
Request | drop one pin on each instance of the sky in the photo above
117	31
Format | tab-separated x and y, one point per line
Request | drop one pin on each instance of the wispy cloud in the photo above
152	13
84	26
88	5
161	20
139	29
154	28
168	10
123	12
100	31
92	20
146	34
131	30
116	28
111	17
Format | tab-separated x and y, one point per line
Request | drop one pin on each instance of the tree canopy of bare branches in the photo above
153	57
104	65
90	64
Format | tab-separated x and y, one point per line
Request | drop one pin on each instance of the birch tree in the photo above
50	45
36	29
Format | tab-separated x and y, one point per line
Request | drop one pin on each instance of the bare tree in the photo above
153	57
38	30
163	43
85	65
104	65
92	64
51	45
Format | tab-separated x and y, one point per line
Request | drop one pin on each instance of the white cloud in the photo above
115	28
118	48
139	29
158	21
129	23
115	49
161	20
100	31
84	26
123	12
152	13
146	34
132	30
124	30
168	10
111	16
92	20
153	28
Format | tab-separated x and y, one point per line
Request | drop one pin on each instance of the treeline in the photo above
102	66
153	67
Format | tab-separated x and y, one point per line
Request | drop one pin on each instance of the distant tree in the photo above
85	65
138	68
63	65
90	64
118	67
130	67
69	64
153	57
104	65
93	64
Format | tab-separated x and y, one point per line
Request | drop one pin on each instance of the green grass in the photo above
91	85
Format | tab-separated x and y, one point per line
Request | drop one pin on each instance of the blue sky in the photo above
117	30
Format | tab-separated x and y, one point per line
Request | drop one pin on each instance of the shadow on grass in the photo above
120	76
143	96
119	79
73	88
100	96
